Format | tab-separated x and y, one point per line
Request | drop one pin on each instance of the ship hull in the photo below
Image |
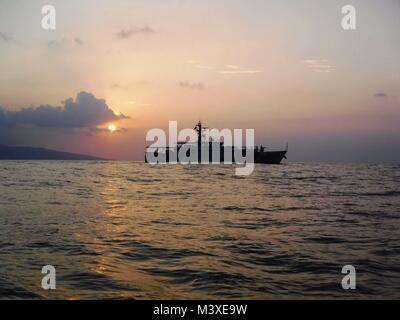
266	157
270	157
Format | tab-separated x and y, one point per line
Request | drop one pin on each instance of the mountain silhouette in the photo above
30	153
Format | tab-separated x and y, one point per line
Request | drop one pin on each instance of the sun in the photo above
112	128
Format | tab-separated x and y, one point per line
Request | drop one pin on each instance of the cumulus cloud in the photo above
127	33
192	85
86	111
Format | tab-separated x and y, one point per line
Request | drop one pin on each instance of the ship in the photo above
168	153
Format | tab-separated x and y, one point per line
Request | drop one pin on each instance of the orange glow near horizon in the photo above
112	128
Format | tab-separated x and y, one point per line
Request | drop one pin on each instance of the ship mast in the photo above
199	128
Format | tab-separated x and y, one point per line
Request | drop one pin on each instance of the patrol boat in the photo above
168	153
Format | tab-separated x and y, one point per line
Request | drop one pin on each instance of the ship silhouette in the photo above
168	153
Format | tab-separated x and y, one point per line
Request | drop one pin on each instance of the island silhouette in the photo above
31	153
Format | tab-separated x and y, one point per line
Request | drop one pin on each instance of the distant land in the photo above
29	153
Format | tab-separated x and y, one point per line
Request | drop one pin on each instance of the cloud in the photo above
85	112
198	64
127	33
233	66
3	117
53	44
240	71
319	65
65	42
5	37
230	69
236	69
142	83
127	86
203	67
192	85
193	61
78	41
381	95
94	131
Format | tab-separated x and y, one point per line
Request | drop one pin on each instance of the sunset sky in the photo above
285	68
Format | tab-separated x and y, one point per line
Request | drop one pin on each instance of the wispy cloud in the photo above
233	66
199	64
240	71
53	44
232	69
65	42
115	86
5	37
127	33
130	85
192	85
195	62
229	69
139	104
381	95
204	67
78	41
319	65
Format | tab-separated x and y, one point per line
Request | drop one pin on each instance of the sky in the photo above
285	68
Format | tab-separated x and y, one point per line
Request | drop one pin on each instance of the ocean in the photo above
127	230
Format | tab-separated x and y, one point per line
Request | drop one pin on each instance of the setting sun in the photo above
112	128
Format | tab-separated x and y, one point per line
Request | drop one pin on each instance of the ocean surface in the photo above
126	230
